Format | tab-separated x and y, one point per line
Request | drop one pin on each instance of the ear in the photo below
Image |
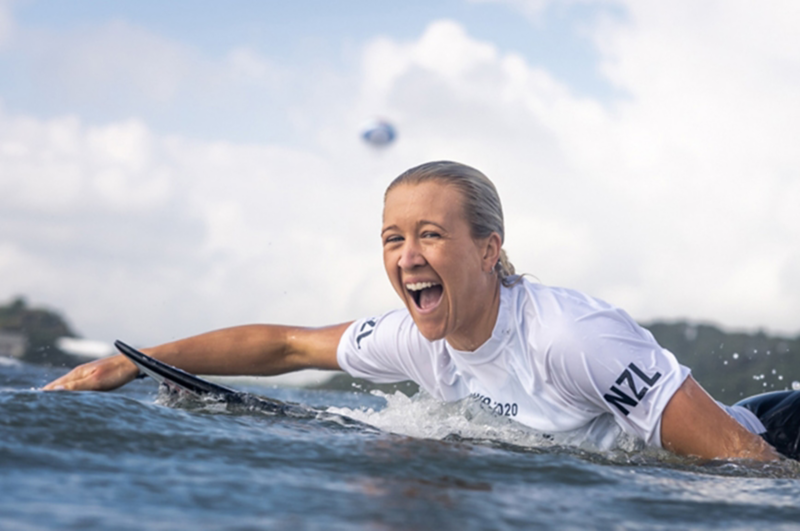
491	251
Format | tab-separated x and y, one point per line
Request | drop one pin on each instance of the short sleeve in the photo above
386	349
603	360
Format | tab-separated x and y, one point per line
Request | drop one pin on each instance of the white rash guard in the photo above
557	361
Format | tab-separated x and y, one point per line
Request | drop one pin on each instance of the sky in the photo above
168	168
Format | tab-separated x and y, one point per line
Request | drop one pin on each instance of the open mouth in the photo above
426	295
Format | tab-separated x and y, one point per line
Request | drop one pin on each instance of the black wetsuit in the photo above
779	412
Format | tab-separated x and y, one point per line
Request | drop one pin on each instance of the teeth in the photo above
420	286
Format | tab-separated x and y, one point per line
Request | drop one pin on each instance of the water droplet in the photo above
725	362
796	385
774	371
735	355
780	377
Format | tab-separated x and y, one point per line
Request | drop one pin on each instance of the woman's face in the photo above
443	275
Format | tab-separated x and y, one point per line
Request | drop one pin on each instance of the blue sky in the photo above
170	167
293	35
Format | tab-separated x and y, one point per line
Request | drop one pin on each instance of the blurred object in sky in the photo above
378	133
84	348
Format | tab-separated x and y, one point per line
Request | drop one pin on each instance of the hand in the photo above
100	375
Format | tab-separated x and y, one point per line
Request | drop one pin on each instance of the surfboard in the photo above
180	381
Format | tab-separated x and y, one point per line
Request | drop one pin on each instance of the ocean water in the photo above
140	459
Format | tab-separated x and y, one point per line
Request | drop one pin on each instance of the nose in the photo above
411	256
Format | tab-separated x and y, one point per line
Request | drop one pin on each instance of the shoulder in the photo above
392	334
561	301
580	337
597	357
392	324
563	314
388	348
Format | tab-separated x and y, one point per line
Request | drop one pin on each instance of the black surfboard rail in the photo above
175	378
161	372
779	412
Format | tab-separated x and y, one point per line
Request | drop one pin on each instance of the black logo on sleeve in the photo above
621	399
364	333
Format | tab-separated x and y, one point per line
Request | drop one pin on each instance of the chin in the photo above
432	337
428	333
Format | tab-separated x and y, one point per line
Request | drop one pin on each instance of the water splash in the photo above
602	441
422	416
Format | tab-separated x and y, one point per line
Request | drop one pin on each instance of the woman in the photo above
553	359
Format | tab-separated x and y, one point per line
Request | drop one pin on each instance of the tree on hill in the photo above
41	327
731	365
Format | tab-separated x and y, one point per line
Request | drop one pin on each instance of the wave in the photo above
603	442
150	425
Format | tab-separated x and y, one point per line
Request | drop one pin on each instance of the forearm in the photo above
242	350
260	350
731	441
693	424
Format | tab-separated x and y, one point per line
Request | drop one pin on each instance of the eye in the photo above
392	238
431	234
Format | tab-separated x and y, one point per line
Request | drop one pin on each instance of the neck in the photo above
478	329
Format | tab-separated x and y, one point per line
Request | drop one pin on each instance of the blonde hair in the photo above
482	207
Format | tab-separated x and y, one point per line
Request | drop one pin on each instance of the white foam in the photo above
9	362
85	348
424	417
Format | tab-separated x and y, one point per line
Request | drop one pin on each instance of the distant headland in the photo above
730	365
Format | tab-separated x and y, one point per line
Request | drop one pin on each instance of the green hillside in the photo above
731	365
41	327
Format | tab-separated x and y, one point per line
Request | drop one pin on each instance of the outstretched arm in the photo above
258	350
694	424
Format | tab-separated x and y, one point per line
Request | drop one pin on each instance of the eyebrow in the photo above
421	223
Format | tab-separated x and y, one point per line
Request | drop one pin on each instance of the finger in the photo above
55	385
61	384
68	382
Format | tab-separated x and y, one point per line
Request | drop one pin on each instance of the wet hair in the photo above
482	207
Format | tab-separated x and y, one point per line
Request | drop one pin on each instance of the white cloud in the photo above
118	70
149	237
675	199
711	102
678	199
